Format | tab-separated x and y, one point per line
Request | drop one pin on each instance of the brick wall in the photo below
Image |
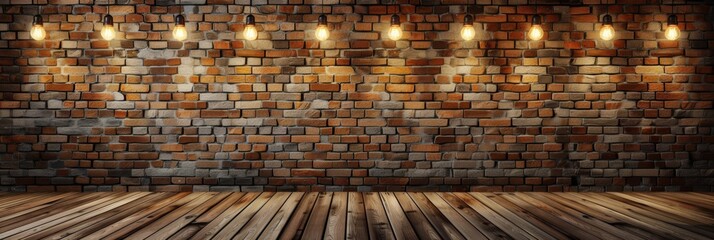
359	111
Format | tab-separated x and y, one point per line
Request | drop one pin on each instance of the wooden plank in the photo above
20	199
241	219
335	228
315	227
600	207
671	209
147	230
624	209
356	218
490	214
646	210
681	206
512	217
476	219
176	221
282	217
215	226
397	219
24	200
186	232
456	219
38	204
199	223
42	211
257	225
100	221
294	228
441	224
62	223
592	212
705	207
132	223
219	208
564	221
549	222
377	222
54	214
421	225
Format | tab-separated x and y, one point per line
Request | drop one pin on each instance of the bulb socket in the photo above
180	20
672	20
108	20
468	20
250	20
37	20
395	19
607	20
322	19
536	20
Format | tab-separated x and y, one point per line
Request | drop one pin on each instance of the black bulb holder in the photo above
37	20
180	20
250	20
108	20
607	20
469	20
322	19
672	20
536	20
395	19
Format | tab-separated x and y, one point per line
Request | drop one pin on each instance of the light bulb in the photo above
535	33
322	33
672	32
607	32
250	32
468	32
180	32
108	32
395	32
38	32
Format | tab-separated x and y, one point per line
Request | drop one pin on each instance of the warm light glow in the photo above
395	32
322	33
180	32
38	32
672	32
108	32
607	32
250	32
536	32
468	32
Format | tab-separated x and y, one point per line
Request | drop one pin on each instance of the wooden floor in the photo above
343	215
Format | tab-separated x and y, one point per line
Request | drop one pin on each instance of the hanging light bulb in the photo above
322	33
250	32
108	32
395	31
672	32
180	32
37	31
536	31
467	31
607	32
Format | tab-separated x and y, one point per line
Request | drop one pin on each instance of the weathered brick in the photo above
358	112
